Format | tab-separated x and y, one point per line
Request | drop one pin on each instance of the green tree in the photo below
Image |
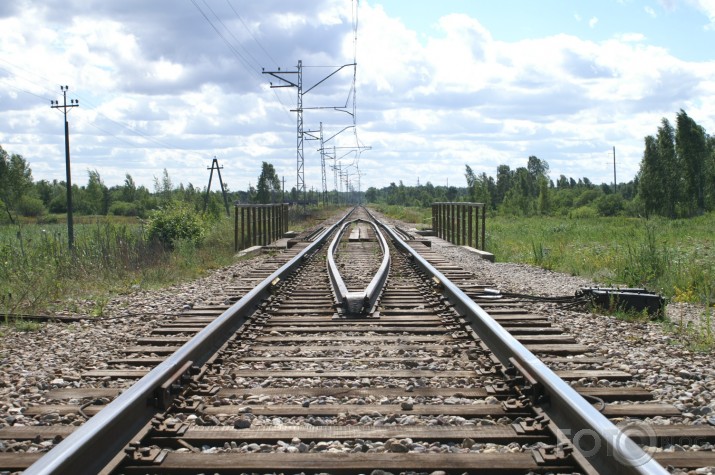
471	183
269	185
504	179
537	169
96	196
667	171
129	190
15	182
544	200
609	205
651	191
691	148
164	188
519	200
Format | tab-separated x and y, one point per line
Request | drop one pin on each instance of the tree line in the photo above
676	179
20	195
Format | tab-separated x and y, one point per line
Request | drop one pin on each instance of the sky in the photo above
172	84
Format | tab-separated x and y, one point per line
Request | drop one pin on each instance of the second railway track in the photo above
409	385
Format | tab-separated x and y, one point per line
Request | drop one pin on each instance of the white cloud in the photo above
172	95
649	10
708	8
592	22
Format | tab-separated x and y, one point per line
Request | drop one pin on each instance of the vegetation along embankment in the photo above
653	231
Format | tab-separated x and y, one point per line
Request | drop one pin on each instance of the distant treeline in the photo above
20	195
676	179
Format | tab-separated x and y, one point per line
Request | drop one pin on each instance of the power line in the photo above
241	59
93	107
221	35
251	33
257	64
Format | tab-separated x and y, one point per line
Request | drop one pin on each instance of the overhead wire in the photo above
230	46
86	101
248	53
251	33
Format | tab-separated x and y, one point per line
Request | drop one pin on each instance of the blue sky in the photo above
678	27
439	85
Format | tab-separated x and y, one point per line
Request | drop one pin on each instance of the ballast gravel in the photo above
56	355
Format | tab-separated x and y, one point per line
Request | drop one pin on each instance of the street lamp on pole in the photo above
65	107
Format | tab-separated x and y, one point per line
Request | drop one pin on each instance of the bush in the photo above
175	222
587	197
30	206
584	212
609	205
122	208
58	204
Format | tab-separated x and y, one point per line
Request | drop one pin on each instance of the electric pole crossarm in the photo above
275	74
338	133
337	109
327	77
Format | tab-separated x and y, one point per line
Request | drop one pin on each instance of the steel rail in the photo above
362	301
94	444
606	448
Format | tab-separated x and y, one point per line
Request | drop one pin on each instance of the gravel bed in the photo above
650	351
57	354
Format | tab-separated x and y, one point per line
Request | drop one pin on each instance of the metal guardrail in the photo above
259	224
599	441
459	223
363	301
94	444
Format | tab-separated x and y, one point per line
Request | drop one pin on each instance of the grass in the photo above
38	274
421	217
675	258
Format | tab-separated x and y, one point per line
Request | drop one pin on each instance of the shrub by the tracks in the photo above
176	222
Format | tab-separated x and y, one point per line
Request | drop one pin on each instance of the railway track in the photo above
313	366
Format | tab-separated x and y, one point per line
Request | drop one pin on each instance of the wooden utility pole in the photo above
214	165
65	107
615	183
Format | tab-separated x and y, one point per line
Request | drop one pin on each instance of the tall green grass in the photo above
676	258
672	257
39	273
421	217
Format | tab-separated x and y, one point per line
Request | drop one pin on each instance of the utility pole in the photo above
214	165
335	175
322	166
298	84
64	106
615	183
